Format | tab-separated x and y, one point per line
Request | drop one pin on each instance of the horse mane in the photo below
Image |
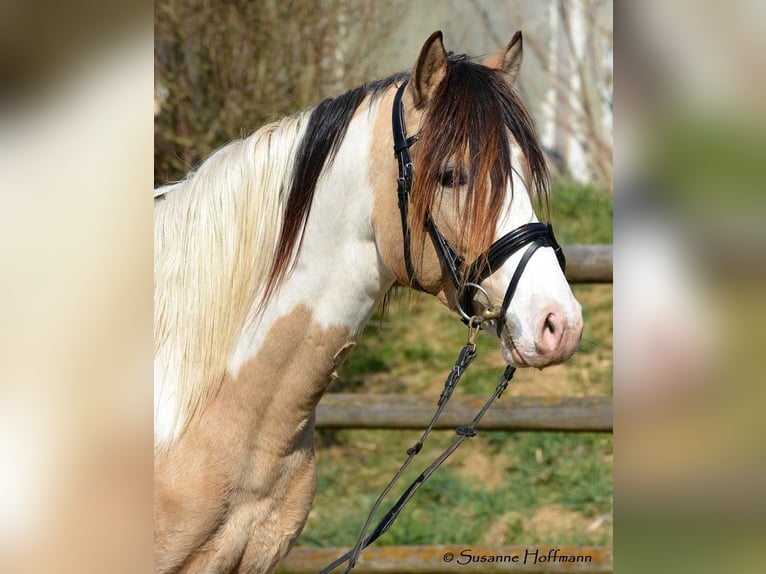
225	236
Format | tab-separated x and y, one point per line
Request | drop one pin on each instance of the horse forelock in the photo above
466	126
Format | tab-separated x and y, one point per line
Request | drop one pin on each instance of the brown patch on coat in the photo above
233	493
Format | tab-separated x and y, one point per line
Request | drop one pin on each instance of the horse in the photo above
272	255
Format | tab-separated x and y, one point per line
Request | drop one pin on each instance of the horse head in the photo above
470	172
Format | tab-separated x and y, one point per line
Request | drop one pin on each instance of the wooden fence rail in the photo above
440	559
397	411
589	263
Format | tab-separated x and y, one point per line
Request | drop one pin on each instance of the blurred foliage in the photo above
224	68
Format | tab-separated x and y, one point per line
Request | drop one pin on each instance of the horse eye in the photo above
447	178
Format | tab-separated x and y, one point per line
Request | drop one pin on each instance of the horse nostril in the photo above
550	324
550	334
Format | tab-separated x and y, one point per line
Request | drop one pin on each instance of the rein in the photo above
466	281
464	360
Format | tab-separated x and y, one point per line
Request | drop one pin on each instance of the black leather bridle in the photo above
464	278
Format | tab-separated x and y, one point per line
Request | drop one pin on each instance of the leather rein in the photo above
466	280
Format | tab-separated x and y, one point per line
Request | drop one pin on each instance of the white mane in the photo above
215	234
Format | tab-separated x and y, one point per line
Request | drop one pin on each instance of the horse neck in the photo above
313	317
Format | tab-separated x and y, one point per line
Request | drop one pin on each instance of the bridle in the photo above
466	280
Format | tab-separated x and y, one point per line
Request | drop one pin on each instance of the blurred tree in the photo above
571	41
223	68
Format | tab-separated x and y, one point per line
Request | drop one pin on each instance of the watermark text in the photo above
525	556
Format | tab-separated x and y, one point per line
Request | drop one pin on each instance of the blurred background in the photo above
86	91
690	248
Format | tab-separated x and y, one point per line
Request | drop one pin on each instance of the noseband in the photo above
464	278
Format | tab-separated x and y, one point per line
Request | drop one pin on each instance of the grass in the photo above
581	214
499	488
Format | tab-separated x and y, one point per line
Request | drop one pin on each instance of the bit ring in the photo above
489	314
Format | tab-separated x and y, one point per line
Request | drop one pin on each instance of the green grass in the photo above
499	488
581	214
456	505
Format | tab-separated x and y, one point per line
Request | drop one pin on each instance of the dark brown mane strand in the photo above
465	125
325	131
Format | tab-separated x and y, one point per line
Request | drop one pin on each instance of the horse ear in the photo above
509	59
430	70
